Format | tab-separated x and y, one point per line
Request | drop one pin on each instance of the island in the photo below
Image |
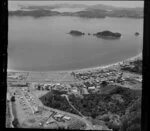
137	33
76	33
107	34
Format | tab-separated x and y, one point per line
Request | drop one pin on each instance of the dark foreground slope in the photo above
131	121
109	107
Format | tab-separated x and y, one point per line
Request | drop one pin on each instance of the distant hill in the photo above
101	7
34	13
56	6
91	14
118	11
92	11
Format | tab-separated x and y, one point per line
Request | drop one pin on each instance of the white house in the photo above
91	88
58	115
66	118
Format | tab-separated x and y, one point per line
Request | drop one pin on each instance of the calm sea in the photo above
42	44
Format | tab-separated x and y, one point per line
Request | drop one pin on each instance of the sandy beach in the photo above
109	65
66	76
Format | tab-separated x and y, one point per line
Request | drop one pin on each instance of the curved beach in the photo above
84	69
63	76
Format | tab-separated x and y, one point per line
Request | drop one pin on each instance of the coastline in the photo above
108	65
81	70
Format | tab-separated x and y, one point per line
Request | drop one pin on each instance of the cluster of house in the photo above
54	117
74	89
58	87
95	79
16	76
92	81
101	75
13	77
18	84
30	99
22	101
35	108
77	89
57	117
50	86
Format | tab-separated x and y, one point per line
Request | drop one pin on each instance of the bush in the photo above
15	123
77	125
135	127
113	126
13	98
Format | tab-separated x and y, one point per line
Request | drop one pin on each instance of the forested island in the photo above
104	34
76	33
107	34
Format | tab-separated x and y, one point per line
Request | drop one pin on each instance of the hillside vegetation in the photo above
109	107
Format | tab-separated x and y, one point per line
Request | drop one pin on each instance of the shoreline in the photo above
81	70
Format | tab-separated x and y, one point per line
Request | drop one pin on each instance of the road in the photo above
83	119
88	123
66	96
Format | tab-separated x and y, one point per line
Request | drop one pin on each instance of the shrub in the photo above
135	127
13	98
77	125
15	123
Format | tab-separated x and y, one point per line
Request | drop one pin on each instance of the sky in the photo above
129	4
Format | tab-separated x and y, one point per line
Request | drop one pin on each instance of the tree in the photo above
15	123
13	98
132	120
104	83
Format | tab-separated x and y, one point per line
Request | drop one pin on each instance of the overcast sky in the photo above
113	3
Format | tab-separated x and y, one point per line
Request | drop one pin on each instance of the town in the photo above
27	100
